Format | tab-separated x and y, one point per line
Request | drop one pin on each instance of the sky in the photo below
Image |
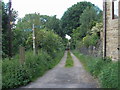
68	37
46	7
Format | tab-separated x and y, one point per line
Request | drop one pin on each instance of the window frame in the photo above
113	9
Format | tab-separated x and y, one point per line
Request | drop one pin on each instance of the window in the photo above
115	11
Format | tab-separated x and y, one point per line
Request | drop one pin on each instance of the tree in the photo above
23	30
88	19
48	41
70	19
52	23
23	35
5	27
4	30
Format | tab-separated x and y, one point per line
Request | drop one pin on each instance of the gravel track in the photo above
62	77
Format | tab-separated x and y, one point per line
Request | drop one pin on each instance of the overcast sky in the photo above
46	7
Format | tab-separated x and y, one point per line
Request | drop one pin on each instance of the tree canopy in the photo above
88	19
70	19
23	30
5	20
77	22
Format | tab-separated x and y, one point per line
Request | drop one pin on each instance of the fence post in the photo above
22	55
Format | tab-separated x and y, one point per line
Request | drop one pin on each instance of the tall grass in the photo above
15	75
69	61
105	70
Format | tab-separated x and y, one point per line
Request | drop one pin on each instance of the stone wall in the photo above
112	35
95	51
119	38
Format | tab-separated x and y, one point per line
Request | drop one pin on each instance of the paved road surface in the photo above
61	77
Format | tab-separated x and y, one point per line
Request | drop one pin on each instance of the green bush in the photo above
15	75
48	41
103	69
90	40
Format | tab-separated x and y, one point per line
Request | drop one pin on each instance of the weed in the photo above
105	70
69	61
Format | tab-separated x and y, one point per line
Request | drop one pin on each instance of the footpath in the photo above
62	77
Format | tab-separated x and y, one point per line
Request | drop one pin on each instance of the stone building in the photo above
111	38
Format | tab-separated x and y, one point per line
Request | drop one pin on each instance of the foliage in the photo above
47	41
76	38
50	49
88	19
15	75
97	28
90	40
40	21
65	42
90	26
105	70
54	24
70	19
22	31
45	29
69	61
5	27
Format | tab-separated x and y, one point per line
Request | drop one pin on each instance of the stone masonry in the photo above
112	33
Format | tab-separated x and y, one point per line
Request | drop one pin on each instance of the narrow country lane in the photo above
62	77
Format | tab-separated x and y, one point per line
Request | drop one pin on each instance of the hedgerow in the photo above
15	74
90	40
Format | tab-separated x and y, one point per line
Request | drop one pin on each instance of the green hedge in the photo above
105	70
90	40
15	75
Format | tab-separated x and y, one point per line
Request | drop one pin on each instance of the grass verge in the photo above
69	61
105	70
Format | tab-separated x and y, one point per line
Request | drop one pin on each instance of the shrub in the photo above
49	42
90	40
15	75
